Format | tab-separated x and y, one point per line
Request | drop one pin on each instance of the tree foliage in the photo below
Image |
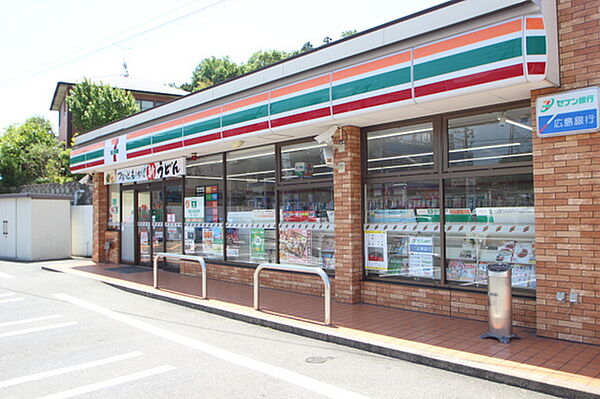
263	58
31	153
94	105
213	70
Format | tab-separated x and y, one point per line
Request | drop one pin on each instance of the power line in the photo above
74	57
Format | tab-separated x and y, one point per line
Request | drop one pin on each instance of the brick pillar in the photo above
566	176
347	189
100	218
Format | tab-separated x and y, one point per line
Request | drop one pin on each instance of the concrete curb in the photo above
418	358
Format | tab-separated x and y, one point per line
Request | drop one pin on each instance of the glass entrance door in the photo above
144	230
128	228
158	221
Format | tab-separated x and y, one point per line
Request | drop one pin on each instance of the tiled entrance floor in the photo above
548	361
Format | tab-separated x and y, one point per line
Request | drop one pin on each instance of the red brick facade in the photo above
101	233
347	195
566	178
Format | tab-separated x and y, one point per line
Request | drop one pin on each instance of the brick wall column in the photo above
100	218
347	189
567	199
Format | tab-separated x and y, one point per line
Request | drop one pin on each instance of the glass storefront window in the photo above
402	237
203	207
250	227
306	230
304	161
494	138
490	219
400	149
114	207
173	219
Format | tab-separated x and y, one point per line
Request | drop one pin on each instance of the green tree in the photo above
31	153
213	70
347	33
263	58
94	105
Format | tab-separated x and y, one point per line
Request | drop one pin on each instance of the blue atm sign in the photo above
570	112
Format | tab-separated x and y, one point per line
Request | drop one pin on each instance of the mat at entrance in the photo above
129	269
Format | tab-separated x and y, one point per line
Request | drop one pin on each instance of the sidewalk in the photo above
551	366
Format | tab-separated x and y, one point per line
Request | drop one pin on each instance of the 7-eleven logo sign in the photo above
115	150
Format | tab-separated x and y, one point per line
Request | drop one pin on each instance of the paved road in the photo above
64	336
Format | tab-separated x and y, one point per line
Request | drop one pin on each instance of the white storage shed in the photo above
35	227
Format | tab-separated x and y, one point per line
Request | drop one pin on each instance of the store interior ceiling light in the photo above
400	133
523	154
503	119
308	147
401	166
423	154
485	147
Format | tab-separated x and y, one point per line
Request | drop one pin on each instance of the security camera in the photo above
327	136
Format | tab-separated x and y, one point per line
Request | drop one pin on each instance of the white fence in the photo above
81	230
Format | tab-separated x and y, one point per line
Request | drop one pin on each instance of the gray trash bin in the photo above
500	303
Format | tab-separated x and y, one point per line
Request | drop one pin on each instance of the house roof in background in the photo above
132	84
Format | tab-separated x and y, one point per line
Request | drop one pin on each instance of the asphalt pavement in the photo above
65	336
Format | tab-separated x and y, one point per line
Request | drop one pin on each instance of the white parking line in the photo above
36	329
308	383
6	275
68	369
12	300
108	383
12	323
7	294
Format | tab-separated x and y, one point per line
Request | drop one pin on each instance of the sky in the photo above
43	42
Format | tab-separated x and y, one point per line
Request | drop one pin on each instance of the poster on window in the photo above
257	243
523	253
523	276
194	209
190	245
217	246
295	245
376	250
207	241
420	257
459	270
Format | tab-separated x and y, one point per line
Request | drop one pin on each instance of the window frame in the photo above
440	172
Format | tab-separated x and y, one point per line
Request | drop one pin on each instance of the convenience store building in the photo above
402	160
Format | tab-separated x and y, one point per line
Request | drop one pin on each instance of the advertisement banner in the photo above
151	171
295	245
420	256
257	243
194	209
376	250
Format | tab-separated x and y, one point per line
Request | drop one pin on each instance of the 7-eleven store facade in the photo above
402	160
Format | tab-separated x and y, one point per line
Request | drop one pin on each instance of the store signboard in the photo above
151	171
194	209
570	112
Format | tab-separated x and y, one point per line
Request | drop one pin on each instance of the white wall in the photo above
24	228
8	213
51	229
81	230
